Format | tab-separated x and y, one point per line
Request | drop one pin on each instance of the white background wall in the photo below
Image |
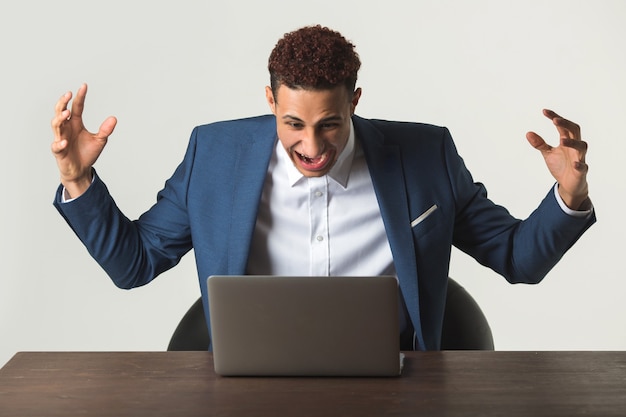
485	69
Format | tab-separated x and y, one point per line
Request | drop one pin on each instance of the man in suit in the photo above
314	189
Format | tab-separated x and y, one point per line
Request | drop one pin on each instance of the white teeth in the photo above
309	160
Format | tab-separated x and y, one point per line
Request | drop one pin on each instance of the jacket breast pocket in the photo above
426	221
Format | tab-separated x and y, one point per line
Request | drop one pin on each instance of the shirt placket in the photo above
318	215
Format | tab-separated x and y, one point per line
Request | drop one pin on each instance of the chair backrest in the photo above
465	327
192	332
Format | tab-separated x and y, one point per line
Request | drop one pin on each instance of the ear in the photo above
355	99
269	96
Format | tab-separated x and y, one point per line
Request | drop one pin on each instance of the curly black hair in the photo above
313	57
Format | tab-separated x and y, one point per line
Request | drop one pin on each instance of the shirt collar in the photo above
340	172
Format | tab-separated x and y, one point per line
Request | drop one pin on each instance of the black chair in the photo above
465	327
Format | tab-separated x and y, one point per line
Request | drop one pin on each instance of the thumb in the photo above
537	142
107	127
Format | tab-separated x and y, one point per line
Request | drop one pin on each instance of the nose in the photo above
312	144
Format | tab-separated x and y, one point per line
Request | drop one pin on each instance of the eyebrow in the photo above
334	118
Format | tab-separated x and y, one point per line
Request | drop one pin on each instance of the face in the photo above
313	125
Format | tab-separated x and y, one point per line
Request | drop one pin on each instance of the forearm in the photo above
544	237
122	247
522	251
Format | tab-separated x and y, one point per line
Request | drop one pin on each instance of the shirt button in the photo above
318	194
320	238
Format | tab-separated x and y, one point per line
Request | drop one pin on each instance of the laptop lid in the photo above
305	326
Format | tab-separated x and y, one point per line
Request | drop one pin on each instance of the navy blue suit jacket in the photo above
210	204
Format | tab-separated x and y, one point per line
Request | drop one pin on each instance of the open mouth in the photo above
314	164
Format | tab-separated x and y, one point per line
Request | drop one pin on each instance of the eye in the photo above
295	125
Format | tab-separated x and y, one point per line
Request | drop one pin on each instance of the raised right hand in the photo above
76	149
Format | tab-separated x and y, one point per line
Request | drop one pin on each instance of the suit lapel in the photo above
251	164
385	166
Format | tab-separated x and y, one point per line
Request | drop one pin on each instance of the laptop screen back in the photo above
305	326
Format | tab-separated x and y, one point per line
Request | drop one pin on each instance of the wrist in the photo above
579	201
77	186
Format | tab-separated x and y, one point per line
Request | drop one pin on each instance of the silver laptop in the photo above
305	326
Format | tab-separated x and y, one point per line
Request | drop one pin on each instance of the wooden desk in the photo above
529	384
